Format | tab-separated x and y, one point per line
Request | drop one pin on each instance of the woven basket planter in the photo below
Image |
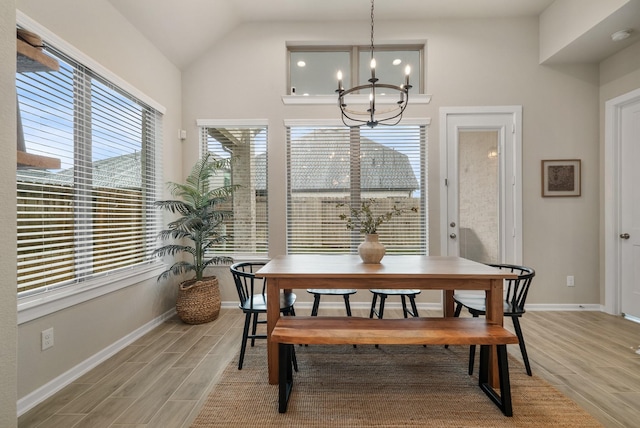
198	302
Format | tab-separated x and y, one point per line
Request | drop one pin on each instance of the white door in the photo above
622	205
630	209
481	183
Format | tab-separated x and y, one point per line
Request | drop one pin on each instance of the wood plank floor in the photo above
163	379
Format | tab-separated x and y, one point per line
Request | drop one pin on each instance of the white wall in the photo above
469	63
96	29
8	314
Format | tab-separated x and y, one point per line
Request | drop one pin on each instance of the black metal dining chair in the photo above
253	302
515	297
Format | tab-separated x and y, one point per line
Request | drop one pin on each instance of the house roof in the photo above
120	172
382	168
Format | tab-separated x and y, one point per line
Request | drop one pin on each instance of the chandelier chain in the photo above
372	20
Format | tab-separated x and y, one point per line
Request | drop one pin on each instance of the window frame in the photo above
418	96
34	304
423	180
249	124
355	65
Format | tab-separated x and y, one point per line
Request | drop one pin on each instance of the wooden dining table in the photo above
302	271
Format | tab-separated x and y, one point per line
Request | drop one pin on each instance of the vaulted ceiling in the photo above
182	30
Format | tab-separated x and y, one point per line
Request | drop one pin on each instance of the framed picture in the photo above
561	177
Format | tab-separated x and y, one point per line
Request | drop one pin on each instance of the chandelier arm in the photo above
362	113
355	88
398	88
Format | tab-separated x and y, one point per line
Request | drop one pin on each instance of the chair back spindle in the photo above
245	280
517	289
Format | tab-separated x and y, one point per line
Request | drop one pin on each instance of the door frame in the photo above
612	179
514	182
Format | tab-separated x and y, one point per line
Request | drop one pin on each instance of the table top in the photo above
391	266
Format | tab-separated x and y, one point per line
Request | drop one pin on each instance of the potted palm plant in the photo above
199	227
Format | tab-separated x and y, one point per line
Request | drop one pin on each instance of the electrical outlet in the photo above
47	338
570	281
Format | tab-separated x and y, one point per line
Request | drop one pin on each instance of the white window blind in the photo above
328	166
92	213
247	146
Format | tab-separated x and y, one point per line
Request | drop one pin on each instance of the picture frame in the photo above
561	177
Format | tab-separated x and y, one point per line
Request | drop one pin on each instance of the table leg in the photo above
495	315
273	313
448	308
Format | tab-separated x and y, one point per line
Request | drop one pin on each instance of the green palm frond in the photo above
177	269
201	219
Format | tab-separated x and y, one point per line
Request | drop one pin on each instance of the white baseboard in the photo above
565	307
29	401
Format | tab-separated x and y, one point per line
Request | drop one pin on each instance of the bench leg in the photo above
503	401
285	376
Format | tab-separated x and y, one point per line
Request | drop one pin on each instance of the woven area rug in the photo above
390	386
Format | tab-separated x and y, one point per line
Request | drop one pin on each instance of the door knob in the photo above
625	236
452	236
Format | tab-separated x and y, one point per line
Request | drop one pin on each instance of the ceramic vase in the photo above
371	251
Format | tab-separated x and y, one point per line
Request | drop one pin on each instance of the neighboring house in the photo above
118	172
384	171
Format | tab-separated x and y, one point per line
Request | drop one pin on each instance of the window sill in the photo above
351	99
39	305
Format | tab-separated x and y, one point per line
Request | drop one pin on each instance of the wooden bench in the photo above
289	331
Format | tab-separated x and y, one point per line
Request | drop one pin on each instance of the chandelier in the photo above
373	116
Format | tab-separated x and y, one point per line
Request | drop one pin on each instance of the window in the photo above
89	212
313	70
328	166
246	144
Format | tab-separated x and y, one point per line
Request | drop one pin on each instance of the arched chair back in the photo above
247	284
516	289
